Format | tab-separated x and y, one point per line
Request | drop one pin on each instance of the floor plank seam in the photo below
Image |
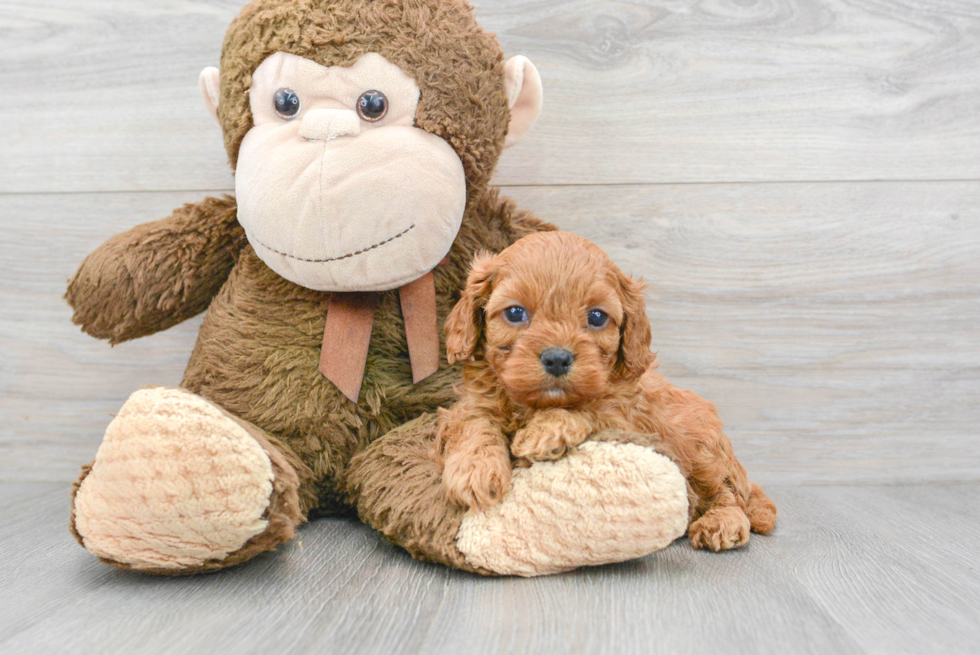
505	185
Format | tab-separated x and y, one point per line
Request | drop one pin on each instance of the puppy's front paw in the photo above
477	479
539	442
721	528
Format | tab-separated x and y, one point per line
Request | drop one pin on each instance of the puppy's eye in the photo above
287	103
372	106
598	318
515	315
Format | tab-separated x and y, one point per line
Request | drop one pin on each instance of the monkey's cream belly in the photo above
364	213
603	503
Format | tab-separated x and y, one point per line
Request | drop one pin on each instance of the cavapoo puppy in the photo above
557	347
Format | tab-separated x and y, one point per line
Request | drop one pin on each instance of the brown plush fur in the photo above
511	406
258	350
157	274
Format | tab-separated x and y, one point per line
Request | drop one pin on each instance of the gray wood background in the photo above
797	180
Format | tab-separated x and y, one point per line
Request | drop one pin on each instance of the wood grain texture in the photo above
834	325
848	570
103	95
896	566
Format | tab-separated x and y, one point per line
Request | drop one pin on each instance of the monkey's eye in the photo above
515	315
287	103
598	318
372	106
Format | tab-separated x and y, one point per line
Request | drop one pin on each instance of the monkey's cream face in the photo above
337	190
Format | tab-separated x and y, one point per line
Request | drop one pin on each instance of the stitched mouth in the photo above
339	257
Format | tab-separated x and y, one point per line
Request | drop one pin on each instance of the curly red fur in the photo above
513	411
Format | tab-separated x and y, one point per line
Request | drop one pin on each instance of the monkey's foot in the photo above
604	502
180	486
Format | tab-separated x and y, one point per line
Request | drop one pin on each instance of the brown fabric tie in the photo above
347	334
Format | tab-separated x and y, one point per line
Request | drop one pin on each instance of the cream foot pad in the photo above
175	483
605	502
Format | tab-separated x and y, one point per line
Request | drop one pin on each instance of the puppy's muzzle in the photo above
557	361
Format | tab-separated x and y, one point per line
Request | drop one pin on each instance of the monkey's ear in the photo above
522	84
465	323
634	344
210	83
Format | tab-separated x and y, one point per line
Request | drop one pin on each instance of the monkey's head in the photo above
358	129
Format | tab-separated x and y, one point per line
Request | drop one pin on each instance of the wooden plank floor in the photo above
851	569
797	180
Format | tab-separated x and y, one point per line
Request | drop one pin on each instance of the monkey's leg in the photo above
396	486
604	502
180	486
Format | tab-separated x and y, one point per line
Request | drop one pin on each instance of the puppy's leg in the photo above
722	527
760	510
690	426
726	524
723	487
476	469
550	433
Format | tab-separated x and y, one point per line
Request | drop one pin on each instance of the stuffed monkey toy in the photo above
363	134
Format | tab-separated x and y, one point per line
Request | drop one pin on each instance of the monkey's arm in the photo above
513	223
523	223
157	274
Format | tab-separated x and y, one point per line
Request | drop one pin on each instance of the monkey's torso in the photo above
258	352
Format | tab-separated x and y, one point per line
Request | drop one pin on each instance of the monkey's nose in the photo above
557	361
326	124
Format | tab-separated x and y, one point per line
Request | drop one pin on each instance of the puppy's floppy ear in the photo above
635	335
465	323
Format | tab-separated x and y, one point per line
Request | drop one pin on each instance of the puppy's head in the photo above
553	318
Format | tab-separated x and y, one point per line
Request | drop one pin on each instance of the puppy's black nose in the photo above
557	361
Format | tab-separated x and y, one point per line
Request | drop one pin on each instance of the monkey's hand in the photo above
550	433
157	274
